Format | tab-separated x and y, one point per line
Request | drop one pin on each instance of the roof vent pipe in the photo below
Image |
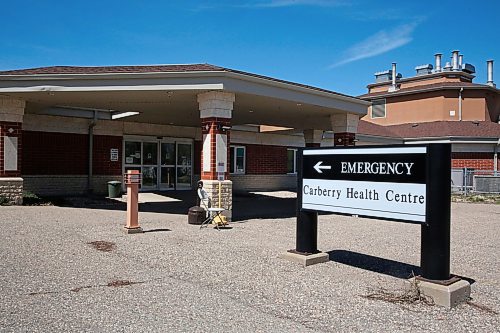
490	73
437	56
460	61
393	87
455	60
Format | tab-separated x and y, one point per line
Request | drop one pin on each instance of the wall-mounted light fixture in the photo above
223	128
123	114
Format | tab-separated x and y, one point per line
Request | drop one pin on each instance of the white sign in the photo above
206	152
221	151
113	155
379	199
10	146
377	182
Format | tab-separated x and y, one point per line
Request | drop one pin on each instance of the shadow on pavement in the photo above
156	230
245	205
374	264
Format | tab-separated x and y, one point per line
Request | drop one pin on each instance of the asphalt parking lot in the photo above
73	269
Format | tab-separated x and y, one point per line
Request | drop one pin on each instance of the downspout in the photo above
460	104
91	152
495	158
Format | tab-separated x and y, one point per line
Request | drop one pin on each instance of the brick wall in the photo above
102	165
15	132
47	153
478	161
265	160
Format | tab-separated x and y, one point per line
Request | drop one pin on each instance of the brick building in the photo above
70	130
438	104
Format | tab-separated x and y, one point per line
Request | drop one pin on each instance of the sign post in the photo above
307	222
404	183
435	238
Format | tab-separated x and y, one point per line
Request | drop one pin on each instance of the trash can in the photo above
196	215
114	189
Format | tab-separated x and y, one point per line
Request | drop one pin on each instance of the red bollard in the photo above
132	180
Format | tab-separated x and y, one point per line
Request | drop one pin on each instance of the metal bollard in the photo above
132	179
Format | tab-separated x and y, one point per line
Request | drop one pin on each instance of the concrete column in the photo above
344	127
11	119
216	113
313	138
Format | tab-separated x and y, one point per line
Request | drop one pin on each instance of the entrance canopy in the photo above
167	94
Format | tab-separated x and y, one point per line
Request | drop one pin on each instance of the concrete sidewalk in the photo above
178	278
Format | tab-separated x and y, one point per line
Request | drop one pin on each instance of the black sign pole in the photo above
307	222
435	238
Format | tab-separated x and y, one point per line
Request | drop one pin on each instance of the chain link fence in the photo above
468	180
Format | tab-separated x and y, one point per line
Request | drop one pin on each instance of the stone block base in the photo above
133	230
226	195
11	188
306	260
448	296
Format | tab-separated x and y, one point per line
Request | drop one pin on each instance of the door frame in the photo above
159	141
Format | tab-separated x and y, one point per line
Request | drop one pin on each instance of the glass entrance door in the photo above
150	165
184	169
164	163
167	165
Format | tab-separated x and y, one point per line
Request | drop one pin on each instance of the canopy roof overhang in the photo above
171	97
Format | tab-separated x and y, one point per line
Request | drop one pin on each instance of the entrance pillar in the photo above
344	127
11	120
313	138
216	113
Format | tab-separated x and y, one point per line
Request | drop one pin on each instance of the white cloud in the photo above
379	43
290	3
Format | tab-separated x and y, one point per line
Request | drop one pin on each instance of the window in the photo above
237	160
378	108
291	163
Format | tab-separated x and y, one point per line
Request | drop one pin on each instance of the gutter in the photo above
228	73
445	140
403	92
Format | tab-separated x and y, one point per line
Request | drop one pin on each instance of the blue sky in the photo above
332	44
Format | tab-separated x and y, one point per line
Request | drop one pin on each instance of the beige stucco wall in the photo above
66	184
407	109
493	106
436	106
473	105
243	183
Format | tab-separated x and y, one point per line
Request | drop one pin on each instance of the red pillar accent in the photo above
12	129
212	127
344	139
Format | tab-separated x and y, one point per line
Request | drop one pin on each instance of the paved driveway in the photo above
177	278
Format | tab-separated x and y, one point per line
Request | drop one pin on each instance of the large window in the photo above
291	163
237	160
378	108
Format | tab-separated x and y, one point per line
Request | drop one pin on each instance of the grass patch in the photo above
408	296
4	201
476	198
32	199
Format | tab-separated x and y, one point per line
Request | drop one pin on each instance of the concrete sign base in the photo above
448	296
306	259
